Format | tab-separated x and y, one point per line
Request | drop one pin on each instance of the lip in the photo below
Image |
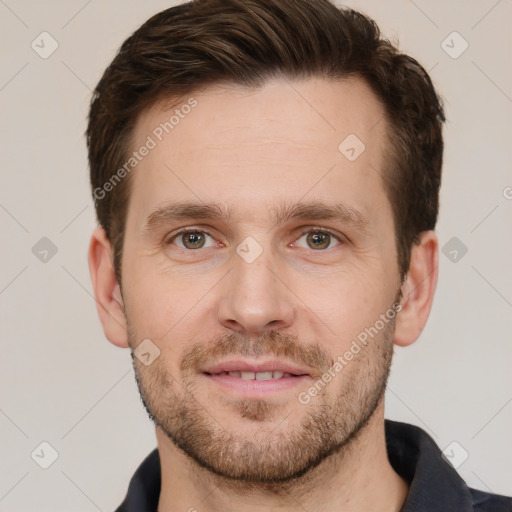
256	388
233	365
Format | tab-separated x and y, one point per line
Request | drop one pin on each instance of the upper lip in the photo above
233	365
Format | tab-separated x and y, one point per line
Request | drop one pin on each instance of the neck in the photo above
357	478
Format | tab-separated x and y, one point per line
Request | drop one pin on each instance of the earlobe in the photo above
418	290
107	292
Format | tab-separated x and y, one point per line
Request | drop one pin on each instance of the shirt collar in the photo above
433	483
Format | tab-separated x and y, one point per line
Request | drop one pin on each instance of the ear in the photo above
418	290
107	292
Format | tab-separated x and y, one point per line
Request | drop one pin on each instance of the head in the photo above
303	153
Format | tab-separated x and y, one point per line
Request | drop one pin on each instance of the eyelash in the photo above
339	238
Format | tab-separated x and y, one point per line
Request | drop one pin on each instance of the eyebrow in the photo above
314	210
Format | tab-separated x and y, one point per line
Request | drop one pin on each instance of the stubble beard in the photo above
280	450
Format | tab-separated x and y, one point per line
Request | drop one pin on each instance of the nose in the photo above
255	297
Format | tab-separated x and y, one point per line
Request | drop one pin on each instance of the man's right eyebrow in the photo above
172	212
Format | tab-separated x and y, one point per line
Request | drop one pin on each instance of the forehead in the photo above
287	140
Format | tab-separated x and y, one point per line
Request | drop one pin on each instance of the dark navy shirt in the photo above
434	486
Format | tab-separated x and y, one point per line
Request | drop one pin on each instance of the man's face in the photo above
259	294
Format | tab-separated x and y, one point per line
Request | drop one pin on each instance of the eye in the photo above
320	239
190	239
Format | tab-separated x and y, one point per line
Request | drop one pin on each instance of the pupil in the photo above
193	238
321	238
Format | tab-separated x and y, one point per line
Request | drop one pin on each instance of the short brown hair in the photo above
247	42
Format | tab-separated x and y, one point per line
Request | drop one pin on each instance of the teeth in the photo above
257	375
263	375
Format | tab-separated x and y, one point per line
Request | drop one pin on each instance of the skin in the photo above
252	150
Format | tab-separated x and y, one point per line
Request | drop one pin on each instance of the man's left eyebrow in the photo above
318	210
313	210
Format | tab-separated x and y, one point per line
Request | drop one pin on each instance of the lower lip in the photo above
256	387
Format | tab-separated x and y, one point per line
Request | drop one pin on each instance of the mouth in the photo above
265	375
253	379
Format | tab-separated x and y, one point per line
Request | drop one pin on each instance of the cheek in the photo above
154	304
169	309
343	304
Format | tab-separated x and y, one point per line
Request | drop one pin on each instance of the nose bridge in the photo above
253	298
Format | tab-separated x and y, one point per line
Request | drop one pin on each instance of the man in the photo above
266	177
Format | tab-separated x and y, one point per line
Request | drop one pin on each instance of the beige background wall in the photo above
63	383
